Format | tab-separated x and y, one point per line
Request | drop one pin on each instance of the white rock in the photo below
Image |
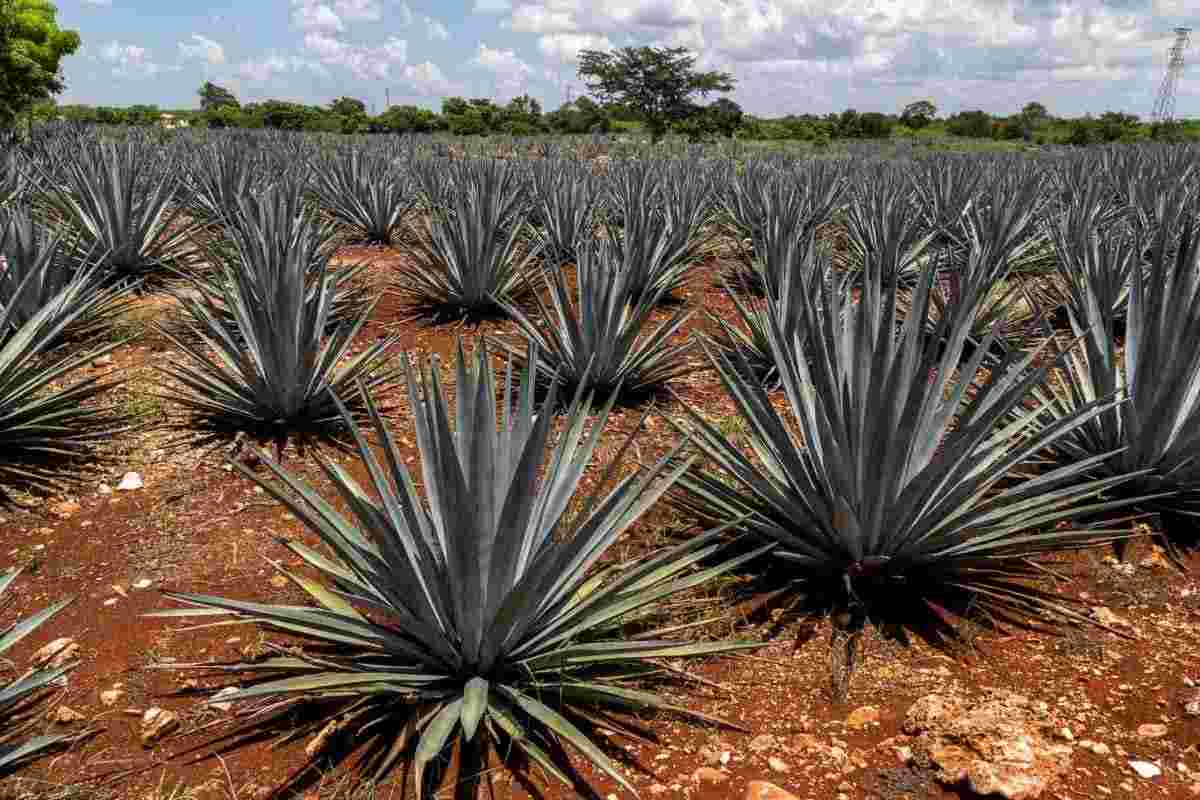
222	705
144	583
57	653
777	765
1146	769
130	482
111	697
104	488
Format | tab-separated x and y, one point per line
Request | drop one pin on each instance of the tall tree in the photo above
348	107
31	49
918	114
725	116
657	82
213	97
1035	112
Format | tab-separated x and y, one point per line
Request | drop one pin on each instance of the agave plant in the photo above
20	698
886	226
596	338
747	341
262	351
657	237
887	486
475	615
220	173
469	261
1157	432
39	267
44	424
12	175
992	240
565	195
366	193
118	199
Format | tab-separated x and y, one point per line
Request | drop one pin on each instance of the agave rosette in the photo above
118	199
38	267
565	196
20	698
1157	431
469	260
263	350
47	422
475	615
887	485
598	337
364	192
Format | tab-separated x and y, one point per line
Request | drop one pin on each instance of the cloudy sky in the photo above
790	56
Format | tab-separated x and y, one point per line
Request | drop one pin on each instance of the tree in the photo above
657	82
874	125
522	116
405	119
918	114
725	116
1035	112
348	107
974	124
213	97
31	50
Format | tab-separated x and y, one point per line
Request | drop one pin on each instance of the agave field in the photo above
352	468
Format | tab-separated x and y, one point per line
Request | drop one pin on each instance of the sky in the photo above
789	56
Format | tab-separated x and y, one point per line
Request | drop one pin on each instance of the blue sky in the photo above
790	56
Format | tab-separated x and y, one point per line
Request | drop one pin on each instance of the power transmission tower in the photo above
1164	106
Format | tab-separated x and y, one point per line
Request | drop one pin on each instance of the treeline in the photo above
524	116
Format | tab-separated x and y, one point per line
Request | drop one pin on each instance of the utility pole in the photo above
387	98
1164	105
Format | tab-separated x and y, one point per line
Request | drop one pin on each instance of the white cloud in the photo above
363	61
510	72
358	10
821	55
202	48
565	47
427	80
265	69
131	61
435	30
309	15
492	6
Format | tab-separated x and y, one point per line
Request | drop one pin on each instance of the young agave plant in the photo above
366	193
37	268
658	240
469	261
45	422
118	199
19	698
263	352
1156	433
595	338
221	172
473	616
565	195
886	226
891	495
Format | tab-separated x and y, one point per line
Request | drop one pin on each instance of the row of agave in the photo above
917	468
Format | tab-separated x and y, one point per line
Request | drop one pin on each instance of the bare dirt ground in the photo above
197	526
